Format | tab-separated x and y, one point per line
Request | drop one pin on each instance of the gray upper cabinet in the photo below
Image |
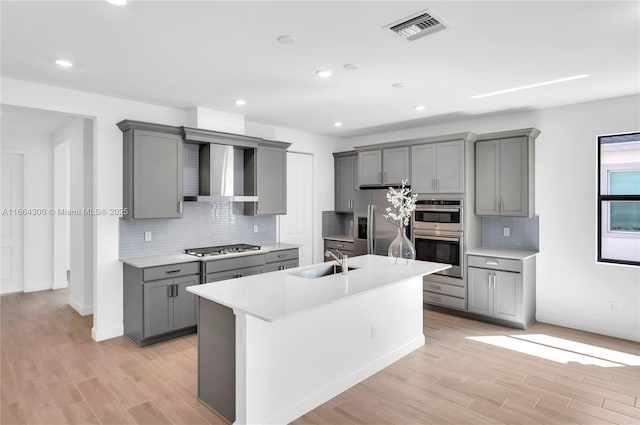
438	167
383	167
346	180
266	177
152	170
504	170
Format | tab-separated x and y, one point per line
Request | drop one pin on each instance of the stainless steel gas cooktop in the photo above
221	250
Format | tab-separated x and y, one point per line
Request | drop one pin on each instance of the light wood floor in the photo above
52	372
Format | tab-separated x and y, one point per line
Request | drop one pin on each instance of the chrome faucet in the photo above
341	262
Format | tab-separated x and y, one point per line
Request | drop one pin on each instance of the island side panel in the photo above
297	363
217	358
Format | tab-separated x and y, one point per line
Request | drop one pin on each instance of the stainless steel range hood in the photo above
221	174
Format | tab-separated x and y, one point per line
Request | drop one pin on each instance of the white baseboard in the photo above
37	287
327	393
102	334
61	284
81	309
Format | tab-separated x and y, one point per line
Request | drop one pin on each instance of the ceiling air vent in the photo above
417	26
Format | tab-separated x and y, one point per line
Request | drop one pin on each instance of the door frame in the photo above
25	224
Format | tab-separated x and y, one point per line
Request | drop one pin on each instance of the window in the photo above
619	199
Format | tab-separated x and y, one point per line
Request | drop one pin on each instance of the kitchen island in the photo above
272	347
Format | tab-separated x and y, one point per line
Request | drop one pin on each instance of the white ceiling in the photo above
208	53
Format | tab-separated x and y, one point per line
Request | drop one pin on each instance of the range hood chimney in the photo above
221	174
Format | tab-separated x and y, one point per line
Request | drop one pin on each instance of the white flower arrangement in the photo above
404	203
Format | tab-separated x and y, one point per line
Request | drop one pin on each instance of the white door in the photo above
296	226
12	225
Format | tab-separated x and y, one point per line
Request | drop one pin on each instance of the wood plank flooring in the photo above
52	372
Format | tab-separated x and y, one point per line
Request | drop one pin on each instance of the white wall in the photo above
321	147
61	201
107	182
38	236
572	289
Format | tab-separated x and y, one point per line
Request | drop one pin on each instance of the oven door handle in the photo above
454	210
437	238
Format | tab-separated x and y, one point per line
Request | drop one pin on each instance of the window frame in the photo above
602	199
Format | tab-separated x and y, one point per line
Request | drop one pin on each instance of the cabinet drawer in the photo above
274	267
232	274
234	263
342	246
443	288
171	271
288	254
444	300
495	263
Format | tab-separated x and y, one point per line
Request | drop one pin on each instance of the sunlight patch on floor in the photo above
565	352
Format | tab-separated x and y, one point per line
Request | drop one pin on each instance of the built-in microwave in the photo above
438	215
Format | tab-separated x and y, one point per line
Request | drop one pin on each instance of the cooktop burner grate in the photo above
221	250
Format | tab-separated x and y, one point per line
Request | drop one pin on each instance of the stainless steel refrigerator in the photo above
373	233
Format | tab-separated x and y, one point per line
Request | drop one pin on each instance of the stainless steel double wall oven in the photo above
437	230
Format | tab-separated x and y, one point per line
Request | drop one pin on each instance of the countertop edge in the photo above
512	254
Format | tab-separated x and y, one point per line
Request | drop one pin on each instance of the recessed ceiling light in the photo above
337	124
118	2
240	102
323	73
64	63
419	108
531	86
351	66
287	39
399	85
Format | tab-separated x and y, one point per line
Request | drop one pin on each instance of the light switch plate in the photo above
255	228
148	236
506	231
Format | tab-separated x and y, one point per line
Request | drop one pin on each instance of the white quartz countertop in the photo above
162	260
276	295
514	254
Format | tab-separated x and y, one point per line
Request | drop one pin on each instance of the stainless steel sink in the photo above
324	270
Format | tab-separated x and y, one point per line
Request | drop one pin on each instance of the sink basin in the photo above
324	270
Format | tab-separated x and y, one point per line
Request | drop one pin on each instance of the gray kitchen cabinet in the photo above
152	170
266	177
346	248
346	180
383	166
281	260
504	167
156	304
502	289
438	167
231	268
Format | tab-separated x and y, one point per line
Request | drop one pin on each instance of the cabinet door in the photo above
487	177
395	164
480	294
158	307
508	296
423	168
271	180
370	168
184	303
344	181
513	177
157	175
450	167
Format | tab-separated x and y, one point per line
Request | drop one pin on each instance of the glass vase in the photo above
401	249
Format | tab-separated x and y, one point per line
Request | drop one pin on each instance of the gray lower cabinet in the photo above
504	170
152	170
346	248
281	260
502	289
232	268
266	177
157	305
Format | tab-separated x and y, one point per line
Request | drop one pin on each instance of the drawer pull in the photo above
436	299
436	286
492	263
339	245
172	271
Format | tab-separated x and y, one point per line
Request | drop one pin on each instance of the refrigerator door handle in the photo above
372	230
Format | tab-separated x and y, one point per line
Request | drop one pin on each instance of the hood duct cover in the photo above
222	174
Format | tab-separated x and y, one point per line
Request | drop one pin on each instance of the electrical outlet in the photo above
506	231
255	228
148	236
613	305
